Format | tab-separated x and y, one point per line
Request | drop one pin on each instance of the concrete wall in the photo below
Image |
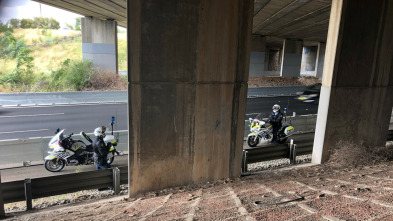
357	78
257	64
257	57
187	91
99	43
309	58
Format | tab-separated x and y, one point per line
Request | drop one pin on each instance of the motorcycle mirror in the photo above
57	130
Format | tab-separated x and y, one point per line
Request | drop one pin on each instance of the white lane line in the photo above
62	105
11	132
33	115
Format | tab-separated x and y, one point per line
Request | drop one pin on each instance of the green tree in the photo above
15	23
70	26
4	27
7	42
26	23
16	49
39	22
77	24
53	23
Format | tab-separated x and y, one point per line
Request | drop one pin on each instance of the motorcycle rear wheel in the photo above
252	141
110	157
54	165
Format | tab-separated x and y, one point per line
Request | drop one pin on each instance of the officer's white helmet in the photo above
276	107
100	131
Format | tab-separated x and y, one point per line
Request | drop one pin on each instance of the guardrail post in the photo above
291	152
244	165
294	154
28	195
2	211
116	180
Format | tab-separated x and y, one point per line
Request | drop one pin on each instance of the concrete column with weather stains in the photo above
188	65
99	43
291	58
357	83
257	57
320	60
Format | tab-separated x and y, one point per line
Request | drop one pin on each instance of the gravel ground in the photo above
302	192
274	164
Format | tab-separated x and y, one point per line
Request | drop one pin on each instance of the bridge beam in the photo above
187	92
99	43
357	93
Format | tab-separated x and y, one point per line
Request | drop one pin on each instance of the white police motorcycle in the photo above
262	132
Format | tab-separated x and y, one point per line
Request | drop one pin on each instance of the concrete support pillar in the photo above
320	60
291	58
99	43
189	62
257	58
357	83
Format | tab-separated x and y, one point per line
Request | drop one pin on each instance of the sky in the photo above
30	9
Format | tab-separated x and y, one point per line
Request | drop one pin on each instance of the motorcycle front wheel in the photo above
54	165
110	157
252	141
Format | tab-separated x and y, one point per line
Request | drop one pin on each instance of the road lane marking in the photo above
33	115
10	132
62	105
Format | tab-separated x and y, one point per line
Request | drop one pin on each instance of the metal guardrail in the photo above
29	189
264	154
282	151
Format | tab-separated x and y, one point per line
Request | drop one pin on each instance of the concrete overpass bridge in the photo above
190	62
295	24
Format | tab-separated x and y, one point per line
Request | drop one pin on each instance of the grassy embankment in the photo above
51	49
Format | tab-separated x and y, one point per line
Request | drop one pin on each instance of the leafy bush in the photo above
103	81
37	22
73	75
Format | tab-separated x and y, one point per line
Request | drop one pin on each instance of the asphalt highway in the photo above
42	121
36	171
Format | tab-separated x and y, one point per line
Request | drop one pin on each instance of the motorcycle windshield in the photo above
262	116
59	136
